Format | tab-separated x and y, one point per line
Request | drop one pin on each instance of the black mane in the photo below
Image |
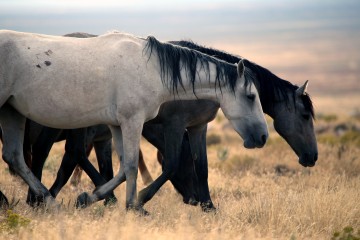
270	87
173	59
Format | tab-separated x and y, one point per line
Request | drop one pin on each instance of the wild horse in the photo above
280	99
51	80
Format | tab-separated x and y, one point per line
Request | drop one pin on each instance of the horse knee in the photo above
10	157
130	171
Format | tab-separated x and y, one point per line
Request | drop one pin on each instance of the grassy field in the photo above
260	194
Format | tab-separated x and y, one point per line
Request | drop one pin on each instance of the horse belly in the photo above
59	111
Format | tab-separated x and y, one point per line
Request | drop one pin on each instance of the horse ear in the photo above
241	68
302	90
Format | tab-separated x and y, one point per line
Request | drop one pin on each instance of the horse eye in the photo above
251	97
306	116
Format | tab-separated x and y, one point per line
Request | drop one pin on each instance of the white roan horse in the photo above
115	79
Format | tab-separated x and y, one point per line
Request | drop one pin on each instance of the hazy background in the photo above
297	40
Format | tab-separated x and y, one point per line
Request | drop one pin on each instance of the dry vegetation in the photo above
261	193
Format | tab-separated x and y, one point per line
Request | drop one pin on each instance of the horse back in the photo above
76	82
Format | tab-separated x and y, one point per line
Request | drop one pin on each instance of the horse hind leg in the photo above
145	174
13	125
103	151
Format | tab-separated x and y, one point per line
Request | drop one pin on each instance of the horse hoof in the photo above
139	210
50	204
208	207
191	201
110	201
40	201
83	200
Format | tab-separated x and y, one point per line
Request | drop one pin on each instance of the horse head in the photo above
244	111
295	124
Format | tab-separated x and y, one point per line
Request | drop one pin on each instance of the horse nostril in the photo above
263	139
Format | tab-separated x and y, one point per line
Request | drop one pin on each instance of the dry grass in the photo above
262	194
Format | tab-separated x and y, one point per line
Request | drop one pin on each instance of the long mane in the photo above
272	88
173	59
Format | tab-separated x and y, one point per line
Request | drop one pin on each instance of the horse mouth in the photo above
251	142
308	160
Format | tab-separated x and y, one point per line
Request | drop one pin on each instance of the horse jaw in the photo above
252	139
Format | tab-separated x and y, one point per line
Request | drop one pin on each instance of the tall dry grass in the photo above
260	194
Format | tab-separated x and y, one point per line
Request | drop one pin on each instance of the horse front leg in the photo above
127	143
197	137
173	137
185	179
40	151
13	126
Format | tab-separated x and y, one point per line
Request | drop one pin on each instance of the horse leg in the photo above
127	143
159	157
197	137
75	154
76	176
73	151
145	174
104	157
40	152
27	145
185	179
13	124
173	138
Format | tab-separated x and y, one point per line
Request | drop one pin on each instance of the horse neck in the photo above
271	103
204	86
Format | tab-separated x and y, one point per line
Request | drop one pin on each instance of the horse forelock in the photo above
173	59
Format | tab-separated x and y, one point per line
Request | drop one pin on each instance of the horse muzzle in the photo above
255	142
308	160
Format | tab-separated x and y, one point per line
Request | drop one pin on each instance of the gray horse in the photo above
50	80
